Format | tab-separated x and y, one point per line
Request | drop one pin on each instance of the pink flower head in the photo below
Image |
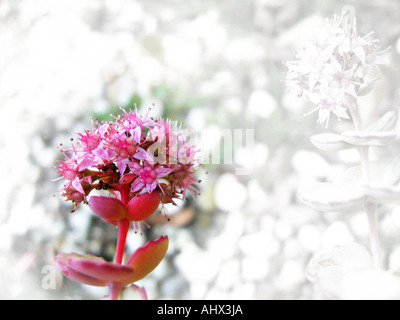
127	157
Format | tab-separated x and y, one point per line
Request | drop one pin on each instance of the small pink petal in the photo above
137	134
107	208
162	172
76	183
142	206
145	259
140	154
136	185
121	165
102	153
135	167
151	186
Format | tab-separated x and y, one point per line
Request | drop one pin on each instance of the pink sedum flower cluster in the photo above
335	67
138	153
141	163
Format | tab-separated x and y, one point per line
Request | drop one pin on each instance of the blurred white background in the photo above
216	65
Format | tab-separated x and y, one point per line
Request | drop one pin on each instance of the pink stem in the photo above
123	227
124	190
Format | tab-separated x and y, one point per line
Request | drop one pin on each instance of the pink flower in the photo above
177	145
125	149
187	182
90	140
71	193
131	120
146	176
68	169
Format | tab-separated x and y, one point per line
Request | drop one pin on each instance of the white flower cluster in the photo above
334	68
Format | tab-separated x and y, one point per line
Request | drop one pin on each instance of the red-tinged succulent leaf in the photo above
61	258
102	270
145	259
107	208
142	206
65	269
84	278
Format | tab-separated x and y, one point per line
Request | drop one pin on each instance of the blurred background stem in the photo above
370	207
